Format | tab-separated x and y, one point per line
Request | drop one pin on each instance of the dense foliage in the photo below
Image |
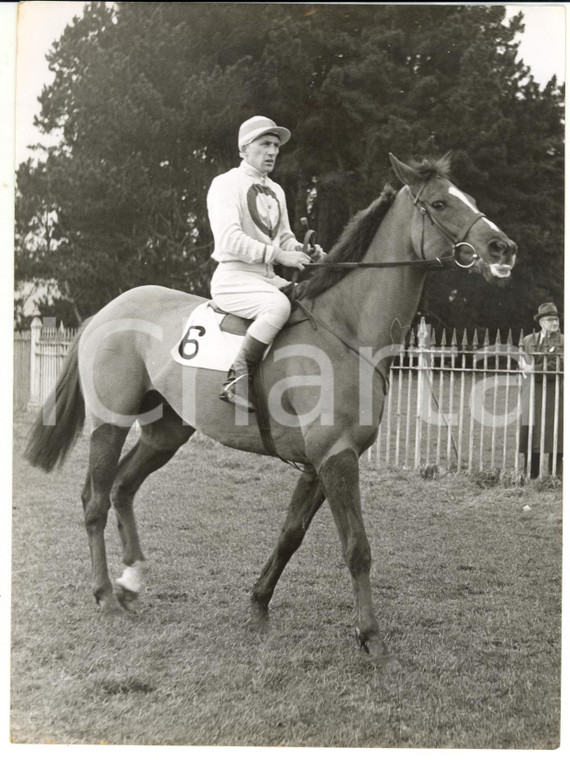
147	99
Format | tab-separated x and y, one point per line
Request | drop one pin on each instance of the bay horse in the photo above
358	306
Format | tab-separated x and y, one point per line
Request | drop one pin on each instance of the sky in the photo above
41	23
543	45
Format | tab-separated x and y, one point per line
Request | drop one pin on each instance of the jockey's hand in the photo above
318	254
296	259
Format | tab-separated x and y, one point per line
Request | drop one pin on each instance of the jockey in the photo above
250	224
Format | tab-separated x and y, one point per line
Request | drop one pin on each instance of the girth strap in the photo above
263	419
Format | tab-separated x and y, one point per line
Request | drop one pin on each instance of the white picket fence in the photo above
22	345
46	347
459	404
453	404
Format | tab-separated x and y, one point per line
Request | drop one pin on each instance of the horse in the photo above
355	311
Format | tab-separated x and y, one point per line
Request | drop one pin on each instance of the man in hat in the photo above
250	224
544	350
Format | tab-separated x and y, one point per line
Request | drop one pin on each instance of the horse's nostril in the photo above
497	248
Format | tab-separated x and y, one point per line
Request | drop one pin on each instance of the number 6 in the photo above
187	341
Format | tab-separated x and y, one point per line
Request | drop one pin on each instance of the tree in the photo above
147	99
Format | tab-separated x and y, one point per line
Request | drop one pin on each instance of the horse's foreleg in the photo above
104	451
307	499
340	477
158	443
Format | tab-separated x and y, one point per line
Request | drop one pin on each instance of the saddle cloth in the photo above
211	339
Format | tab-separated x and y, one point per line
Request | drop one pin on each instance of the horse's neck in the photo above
377	306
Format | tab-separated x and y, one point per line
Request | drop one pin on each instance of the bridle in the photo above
457	242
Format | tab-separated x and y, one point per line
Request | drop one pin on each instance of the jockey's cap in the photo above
260	125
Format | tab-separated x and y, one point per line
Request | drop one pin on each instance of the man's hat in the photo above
546	310
260	125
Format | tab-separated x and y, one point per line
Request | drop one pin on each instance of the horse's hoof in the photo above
259	619
384	660
378	651
109	605
128	600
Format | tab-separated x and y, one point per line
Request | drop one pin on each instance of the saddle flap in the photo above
231	323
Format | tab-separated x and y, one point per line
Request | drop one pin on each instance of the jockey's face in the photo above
550	324
262	152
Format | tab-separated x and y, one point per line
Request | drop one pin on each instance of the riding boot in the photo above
236	388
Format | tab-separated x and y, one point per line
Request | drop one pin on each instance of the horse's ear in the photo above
405	173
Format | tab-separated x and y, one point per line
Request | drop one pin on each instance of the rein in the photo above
315	321
438	263
308	246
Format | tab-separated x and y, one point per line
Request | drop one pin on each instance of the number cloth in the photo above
203	344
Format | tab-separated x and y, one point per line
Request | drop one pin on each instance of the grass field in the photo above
467	586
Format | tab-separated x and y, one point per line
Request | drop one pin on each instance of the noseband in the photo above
457	240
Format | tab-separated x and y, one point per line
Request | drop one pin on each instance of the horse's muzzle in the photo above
502	257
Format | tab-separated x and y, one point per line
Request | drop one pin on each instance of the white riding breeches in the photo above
252	291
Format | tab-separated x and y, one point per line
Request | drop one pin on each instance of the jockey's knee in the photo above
277	312
271	319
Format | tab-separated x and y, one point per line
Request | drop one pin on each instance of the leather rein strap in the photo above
259	395
457	241
425	263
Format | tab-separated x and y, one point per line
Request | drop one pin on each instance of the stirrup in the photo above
228	394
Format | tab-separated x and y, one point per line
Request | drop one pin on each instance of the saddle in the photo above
230	323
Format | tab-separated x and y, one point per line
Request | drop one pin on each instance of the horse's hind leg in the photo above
158	443
307	499
104	452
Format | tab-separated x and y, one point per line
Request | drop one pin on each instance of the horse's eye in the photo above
438	205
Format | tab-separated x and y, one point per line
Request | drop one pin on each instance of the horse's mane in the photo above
358	233
352	244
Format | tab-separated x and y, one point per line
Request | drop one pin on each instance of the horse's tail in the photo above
61	418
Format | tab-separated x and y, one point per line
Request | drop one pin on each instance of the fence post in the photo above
35	332
423	365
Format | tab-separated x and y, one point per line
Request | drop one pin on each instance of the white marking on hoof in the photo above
131	579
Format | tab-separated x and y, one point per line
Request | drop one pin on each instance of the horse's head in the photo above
448	223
